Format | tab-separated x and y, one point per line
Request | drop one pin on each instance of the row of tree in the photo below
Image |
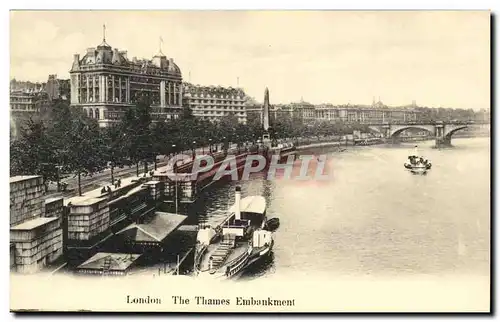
449	114
67	141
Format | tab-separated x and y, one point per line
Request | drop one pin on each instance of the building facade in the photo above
57	88
28	102
25	105
214	102
104	82
377	113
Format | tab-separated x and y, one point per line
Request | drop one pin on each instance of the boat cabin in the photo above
236	227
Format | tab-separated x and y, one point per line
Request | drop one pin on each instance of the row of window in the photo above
219	113
217	97
215	118
204	102
23	107
82	80
234	108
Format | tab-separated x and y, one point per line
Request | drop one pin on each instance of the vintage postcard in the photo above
250	161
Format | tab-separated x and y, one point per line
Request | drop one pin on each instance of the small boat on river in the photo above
417	164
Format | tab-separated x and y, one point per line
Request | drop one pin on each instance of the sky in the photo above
436	58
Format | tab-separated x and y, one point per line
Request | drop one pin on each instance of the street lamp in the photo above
174	166
210	146
173	149
194	149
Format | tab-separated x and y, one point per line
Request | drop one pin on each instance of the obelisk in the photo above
266	138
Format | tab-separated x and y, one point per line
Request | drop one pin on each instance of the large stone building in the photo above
35	235
104	82
377	113
214	102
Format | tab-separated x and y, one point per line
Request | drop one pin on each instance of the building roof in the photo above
105	54
83	200
34	223
114	261
212	90
53	199
22	178
156	229
251	204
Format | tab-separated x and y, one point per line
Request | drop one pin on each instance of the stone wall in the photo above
26	199
87	221
37	247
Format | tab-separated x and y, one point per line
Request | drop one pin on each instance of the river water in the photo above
375	218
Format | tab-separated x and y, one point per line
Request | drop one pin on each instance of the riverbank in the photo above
324	144
319	145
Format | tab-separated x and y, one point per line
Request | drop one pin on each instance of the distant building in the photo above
27	102
364	114
35	236
483	115
26	86
377	113
104	82
214	102
57	88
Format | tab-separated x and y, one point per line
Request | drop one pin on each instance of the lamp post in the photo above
174	168
210	146
194	149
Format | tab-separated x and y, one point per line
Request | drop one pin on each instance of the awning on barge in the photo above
154	229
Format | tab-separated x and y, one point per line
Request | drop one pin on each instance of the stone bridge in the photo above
440	130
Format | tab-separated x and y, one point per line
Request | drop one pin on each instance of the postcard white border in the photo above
192	4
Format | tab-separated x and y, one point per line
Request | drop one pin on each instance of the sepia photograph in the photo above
250	161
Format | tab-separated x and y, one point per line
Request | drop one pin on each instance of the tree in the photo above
87	156
136	125
77	142
113	148
187	114
32	152
161	141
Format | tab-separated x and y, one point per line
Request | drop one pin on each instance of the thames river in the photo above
375	218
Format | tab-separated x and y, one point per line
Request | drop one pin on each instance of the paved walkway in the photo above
96	193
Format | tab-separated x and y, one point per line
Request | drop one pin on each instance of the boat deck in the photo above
222	253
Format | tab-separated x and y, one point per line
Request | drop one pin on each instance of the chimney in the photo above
76	57
237	199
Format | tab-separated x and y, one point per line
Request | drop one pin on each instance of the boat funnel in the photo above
237	200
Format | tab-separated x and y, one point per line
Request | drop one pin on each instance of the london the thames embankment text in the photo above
205	301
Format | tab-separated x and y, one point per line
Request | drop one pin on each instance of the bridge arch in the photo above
449	132
395	131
